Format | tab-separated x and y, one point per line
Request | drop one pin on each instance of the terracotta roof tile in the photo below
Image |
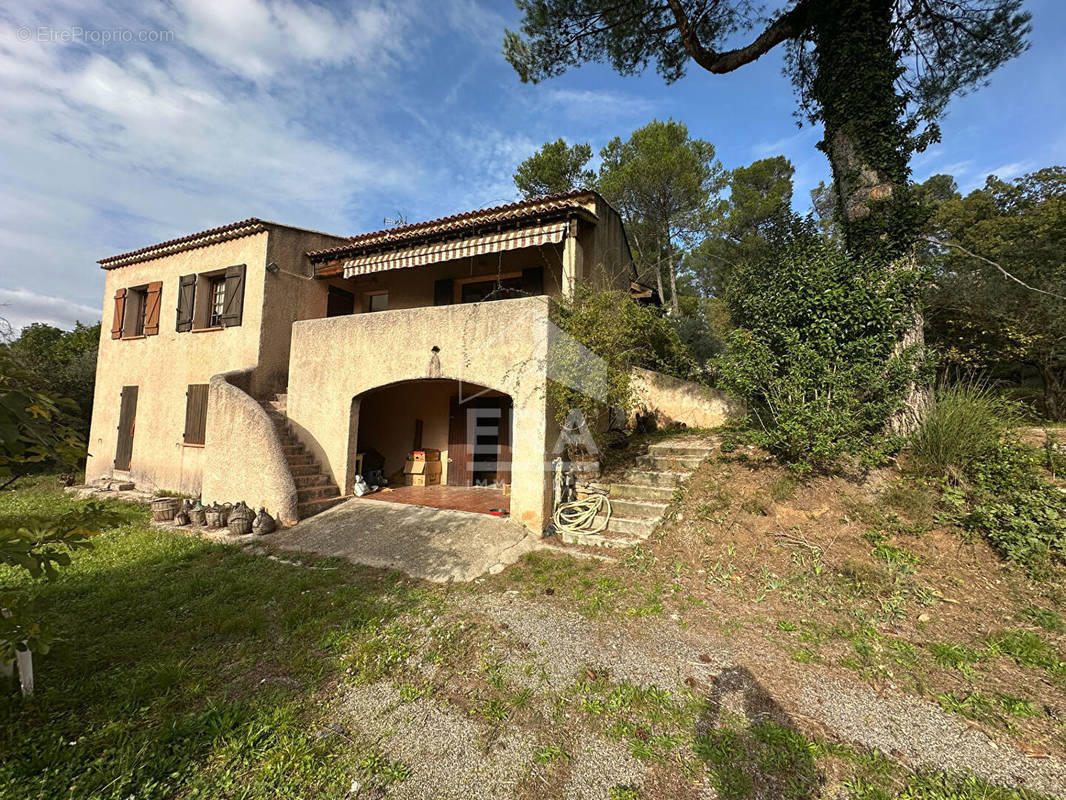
457	222
234	230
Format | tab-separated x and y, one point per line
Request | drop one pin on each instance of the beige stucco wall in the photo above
673	400
500	345
164	365
243	459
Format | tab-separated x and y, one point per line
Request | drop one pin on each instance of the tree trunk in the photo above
1054	393
673	278
659	272
869	148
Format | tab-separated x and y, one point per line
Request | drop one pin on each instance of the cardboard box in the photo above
422	473
425	455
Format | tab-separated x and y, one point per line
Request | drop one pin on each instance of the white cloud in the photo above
20	307
597	103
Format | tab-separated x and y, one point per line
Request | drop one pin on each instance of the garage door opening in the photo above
468	425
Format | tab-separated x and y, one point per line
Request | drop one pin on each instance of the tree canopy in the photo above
555	168
666	186
870	71
981	317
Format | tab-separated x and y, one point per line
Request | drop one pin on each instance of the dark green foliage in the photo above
980	318
814	352
555	168
666	186
993	485
1008	500
759	195
62	363
858	65
606	335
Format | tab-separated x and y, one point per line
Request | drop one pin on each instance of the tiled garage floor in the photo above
480	500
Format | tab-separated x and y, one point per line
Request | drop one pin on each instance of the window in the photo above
218	301
378	302
136	304
137	311
490	289
196	413
211	300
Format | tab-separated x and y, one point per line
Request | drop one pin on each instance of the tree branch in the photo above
1006	274
787	26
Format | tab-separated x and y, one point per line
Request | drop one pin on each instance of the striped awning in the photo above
434	252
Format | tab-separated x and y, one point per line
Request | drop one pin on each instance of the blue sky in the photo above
336	116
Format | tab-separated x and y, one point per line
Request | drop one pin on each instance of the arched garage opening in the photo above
470	426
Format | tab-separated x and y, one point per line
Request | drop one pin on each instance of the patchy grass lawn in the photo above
188	669
195	670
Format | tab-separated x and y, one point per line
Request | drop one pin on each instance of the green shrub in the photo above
815	353
607	335
966	422
1007	499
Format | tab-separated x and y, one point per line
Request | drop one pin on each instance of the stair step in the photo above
299	459
641	493
308	468
310	479
669	462
633	527
679	450
636	509
599	540
309	493
312	507
292	448
643	477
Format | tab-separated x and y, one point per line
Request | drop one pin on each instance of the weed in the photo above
1042	617
784	487
549	753
957	656
623	793
1028	649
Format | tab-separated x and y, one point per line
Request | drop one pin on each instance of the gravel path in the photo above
451	756
454	755
921	734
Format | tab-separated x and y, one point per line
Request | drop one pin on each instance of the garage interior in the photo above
470	425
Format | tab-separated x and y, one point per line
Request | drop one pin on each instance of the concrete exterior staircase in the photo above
640	499
315	491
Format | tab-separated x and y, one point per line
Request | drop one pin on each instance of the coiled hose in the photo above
579	516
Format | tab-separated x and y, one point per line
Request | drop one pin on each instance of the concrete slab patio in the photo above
429	543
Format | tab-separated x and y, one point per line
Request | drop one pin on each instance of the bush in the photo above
1006	499
815	353
965	423
607	334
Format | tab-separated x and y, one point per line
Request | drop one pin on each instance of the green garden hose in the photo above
580	516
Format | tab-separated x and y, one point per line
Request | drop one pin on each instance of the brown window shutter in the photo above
533	280
120	312
196	413
153	296
234	308
186	302
443	292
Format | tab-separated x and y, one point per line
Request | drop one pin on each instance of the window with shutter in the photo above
120	314
196	413
152	298
186	303
234	296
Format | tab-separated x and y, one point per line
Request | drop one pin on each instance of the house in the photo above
271	364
